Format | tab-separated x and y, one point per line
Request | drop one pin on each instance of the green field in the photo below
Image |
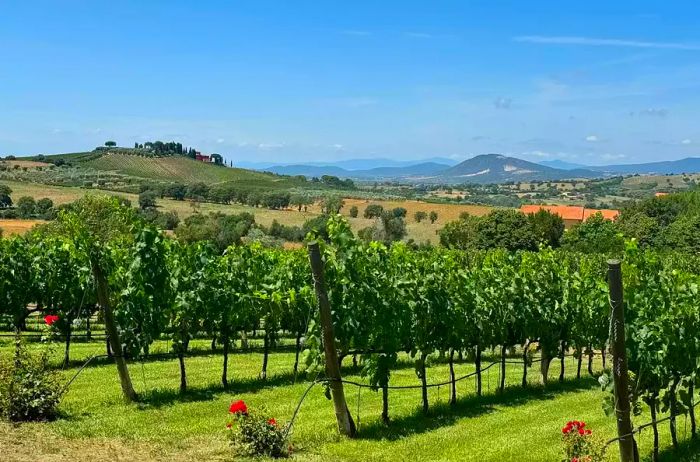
519	425
185	170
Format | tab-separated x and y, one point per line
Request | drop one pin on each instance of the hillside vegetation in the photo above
185	170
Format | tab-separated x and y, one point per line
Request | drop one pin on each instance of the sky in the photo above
593	82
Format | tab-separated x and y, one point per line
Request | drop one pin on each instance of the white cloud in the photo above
337	147
592	138
594	41
419	35
537	153
609	156
502	103
220	140
686	141
356	33
350	101
654	112
268	146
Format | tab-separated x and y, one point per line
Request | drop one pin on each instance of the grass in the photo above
520	424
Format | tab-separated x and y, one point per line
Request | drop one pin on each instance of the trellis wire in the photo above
646	425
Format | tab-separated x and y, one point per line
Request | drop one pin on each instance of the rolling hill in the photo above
177	169
687	165
182	169
495	168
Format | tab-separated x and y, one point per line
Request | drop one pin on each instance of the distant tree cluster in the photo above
5	199
334	182
26	207
160	149
671	221
169	148
389	225
219	229
228	193
509	229
668	222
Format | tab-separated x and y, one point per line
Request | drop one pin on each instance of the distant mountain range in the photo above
485	168
378	173
351	164
687	165
562	164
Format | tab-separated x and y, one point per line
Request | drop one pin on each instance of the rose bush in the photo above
49	319
580	445
29	389
255	433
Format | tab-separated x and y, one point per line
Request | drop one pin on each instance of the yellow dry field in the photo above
24	163
11	227
542	186
668	182
420	232
446	212
58	194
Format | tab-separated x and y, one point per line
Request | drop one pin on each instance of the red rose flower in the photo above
272	422
238	407
49	319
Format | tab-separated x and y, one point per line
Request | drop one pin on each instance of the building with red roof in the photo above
571	214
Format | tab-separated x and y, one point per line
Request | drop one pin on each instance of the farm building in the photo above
571	214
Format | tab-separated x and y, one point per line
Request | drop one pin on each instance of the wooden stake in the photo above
346	426
619	363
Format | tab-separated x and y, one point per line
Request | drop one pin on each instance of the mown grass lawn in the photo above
518	425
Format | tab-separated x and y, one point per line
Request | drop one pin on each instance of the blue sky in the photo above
591	82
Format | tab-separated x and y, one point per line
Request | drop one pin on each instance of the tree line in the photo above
667	222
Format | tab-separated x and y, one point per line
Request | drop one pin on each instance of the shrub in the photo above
354	211
29	389
373	211
147	200
317	225
580	445
256	434
26	207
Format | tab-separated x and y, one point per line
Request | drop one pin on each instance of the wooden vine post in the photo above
112	332
346	426
626	441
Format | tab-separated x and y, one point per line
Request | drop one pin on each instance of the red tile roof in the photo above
570	212
567	212
607	213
